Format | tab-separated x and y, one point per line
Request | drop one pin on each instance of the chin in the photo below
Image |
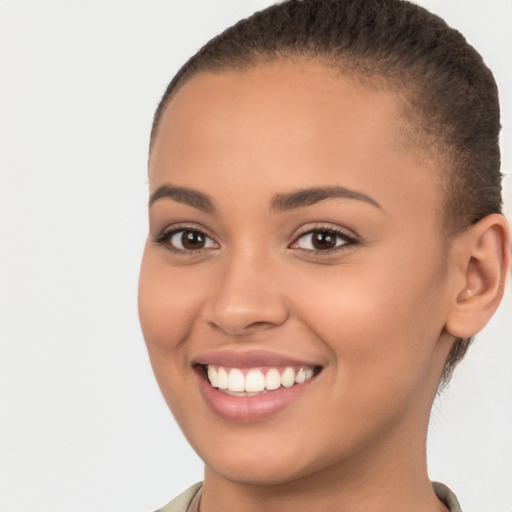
278	460
258	473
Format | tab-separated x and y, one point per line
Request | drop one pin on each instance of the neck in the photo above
379	481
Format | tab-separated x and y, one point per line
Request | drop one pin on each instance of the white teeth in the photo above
222	379
273	379
212	377
236	380
299	378
288	378
256	381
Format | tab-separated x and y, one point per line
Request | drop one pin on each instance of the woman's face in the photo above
294	237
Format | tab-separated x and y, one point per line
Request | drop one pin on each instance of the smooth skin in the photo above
377	311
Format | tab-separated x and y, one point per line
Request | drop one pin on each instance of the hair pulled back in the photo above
450	94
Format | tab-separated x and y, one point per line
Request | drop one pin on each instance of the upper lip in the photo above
249	359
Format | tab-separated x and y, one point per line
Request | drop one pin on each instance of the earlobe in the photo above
483	261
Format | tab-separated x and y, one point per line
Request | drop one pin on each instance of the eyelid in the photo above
349	238
163	238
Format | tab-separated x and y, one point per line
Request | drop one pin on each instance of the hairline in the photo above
413	136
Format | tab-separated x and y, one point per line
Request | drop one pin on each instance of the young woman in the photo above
325	238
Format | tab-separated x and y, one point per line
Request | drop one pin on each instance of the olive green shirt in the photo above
184	500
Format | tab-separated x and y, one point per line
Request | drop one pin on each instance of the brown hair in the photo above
447	87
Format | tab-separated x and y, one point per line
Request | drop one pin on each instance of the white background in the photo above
82	423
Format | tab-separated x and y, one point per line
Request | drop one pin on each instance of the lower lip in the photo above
247	409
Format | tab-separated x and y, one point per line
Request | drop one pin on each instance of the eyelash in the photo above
338	234
166	237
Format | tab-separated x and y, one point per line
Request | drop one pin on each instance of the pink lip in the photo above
247	409
249	359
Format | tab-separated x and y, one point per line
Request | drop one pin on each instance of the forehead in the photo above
293	96
289	123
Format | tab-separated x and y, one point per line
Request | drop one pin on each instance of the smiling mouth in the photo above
256	381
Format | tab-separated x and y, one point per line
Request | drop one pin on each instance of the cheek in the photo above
381	321
168	303
168	308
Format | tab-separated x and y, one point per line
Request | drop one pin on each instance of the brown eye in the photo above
322	240
190	240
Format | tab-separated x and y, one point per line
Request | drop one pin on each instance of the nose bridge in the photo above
247	296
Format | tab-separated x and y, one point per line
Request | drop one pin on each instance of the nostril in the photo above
259	325
241	305
233	328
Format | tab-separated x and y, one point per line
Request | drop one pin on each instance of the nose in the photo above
246	297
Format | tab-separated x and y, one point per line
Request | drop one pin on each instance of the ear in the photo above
482	259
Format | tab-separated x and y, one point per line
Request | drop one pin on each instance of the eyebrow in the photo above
309	196
184	195
280	202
